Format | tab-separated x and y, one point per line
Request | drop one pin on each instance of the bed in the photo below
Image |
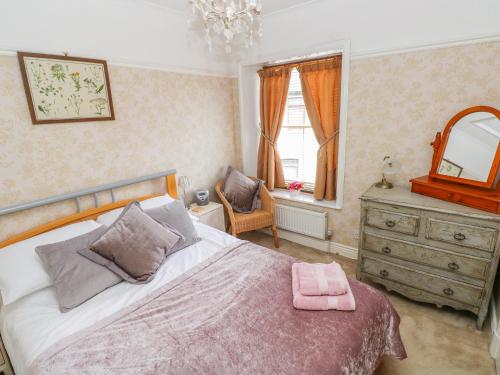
220	306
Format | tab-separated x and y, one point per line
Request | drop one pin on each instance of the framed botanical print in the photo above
66	89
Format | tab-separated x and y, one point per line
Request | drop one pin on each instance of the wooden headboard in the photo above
90	214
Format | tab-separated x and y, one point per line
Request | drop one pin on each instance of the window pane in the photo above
310	155
296	144
295	82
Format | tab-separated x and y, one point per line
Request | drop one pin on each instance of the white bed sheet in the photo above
32	324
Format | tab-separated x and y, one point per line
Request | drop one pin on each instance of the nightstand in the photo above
212	214
5	368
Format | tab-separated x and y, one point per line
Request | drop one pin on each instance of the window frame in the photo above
248	84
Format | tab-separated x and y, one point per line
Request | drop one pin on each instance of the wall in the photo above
379	26
126	31
396	105
142	33
163	120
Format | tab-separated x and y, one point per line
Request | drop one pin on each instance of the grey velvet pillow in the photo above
76	279
134	246
241	192
175	215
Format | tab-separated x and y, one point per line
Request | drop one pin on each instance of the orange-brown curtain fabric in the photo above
320	81
274	84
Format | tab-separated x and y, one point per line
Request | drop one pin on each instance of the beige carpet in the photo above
438	341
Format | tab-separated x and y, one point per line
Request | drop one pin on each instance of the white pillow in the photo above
21	269
109	217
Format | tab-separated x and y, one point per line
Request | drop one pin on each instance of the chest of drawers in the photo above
429	250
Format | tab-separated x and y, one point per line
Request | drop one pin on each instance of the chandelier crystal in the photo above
230	20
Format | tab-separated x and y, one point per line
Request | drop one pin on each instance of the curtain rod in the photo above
302	59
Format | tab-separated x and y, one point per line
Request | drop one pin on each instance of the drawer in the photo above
393	221
417	279
461	234
446	260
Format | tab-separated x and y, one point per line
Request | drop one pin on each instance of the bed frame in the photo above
92	213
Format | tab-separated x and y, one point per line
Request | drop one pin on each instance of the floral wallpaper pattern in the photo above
163	120
397	103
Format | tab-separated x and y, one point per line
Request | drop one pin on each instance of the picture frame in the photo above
65	89
449	168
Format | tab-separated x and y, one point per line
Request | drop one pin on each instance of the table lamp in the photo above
390	167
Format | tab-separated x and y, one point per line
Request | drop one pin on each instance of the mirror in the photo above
471	147
469	151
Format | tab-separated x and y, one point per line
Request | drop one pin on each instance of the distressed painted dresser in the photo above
429	250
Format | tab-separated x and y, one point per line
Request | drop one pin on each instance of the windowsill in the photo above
304	198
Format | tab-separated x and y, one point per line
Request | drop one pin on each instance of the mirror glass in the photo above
471	147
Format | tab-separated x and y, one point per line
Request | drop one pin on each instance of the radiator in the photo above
298	220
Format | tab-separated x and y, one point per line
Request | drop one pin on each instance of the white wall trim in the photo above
11	51
326	246
130	64
342	46
427	46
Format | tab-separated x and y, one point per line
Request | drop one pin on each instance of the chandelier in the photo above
230	20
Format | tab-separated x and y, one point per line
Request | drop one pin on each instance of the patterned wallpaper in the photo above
397	103
163	120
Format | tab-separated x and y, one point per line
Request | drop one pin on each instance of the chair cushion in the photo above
257	220
241	191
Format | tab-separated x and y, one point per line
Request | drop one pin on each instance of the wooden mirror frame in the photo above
440	143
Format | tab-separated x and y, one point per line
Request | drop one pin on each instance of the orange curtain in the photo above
320	81
274	82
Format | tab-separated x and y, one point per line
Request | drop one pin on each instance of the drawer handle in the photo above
390	223
384	273
448	291
386	250
459	236
453	266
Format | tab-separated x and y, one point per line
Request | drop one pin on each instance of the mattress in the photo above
34	323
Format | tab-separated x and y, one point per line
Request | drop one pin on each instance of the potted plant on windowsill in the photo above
295	187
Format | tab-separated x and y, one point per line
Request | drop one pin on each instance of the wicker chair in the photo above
261	218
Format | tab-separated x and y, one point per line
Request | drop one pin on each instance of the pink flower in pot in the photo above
295	186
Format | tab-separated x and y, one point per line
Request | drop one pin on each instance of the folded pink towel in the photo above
343	302
321	279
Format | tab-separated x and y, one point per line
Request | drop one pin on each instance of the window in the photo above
297	144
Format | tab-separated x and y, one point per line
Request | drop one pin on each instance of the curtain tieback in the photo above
326	141
267	139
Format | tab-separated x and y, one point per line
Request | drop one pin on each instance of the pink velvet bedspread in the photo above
232	314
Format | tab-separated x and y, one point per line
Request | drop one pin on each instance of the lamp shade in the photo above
391	166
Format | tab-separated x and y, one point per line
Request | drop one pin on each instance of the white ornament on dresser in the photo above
5	367
212	214
429	250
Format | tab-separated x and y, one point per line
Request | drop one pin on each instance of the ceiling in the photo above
268	6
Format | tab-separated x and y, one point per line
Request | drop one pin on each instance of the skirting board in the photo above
326	246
